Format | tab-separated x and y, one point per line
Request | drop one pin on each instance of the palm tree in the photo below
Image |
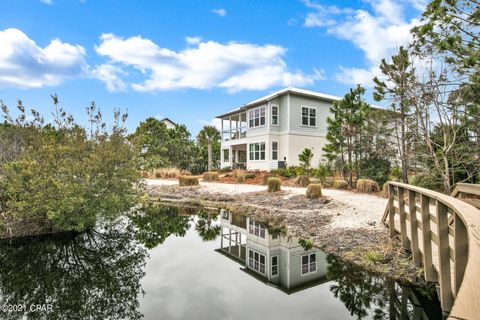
206	230
305	158
208	136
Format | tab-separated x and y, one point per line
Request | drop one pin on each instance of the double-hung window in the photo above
256	229
309	116
275	115
274	150
309	263
256	261
256	117
274	266
257	151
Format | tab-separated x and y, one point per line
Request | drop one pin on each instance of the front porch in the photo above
234	156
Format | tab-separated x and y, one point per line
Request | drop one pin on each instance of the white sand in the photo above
357	210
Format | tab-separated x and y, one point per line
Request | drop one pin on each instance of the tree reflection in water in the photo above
205	228
91	275
368	295
155	223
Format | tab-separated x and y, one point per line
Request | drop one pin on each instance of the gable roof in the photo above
297	91
167	119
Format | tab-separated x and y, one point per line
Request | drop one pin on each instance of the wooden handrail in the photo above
430	238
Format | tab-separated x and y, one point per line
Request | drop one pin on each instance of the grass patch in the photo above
210	176
302	181
274	184
185	181
314	191
367	186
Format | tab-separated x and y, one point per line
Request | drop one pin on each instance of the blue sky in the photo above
190	60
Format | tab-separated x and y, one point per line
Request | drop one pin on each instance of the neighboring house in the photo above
272	131
169	123
278	260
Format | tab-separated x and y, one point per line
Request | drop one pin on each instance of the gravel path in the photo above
352	210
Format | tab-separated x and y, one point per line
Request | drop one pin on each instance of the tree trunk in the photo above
210	156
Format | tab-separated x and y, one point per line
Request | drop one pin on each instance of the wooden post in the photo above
391	208
461	251
446	296
412	210
427	239
403	218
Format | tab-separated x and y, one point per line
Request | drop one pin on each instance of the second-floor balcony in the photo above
234	126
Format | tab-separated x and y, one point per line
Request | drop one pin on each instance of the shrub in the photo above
322	172
250	176
376	169
302	181
184	181
226	169
328	183
210	176
426	181
307	244
265	178
368	186
145	174
286	172
240	178
340	184
169	173
314	191
238	172
274	184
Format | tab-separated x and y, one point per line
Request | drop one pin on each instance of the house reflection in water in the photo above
278	260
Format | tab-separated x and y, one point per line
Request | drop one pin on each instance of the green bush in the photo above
322	172
307	244
184	181
367	186
274	184
426	181
225	169
314	191
302	181
340	184
210	176
376	169
287	172
250	176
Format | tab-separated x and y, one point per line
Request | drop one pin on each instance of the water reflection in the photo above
282	262
92	275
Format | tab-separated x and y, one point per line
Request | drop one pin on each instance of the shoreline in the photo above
339	223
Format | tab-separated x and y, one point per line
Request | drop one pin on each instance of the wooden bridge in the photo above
442	233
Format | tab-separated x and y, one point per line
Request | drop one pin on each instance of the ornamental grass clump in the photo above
340	184
210	176
185	181
302	181
367	186
274	184
265	178
314	191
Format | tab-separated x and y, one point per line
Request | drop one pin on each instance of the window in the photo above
226	155
274	266
309	263
256	117
256	261
309	116
274	150
275	115
256	229
257	151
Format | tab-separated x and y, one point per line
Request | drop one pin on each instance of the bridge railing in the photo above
443	235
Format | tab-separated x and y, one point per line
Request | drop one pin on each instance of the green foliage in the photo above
340	184
287	172
322	172
396	173
185	181
305	158
302	181
267	176
307	244
205	228
274	184
377	169
367	186
209	136
250	176
210	176
68	177
374	256
426	181
314	191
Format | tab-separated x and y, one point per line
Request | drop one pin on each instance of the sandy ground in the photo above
353	210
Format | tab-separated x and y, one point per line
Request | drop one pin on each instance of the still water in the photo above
173	263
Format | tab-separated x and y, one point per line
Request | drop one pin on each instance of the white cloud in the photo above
217	123
193	40
24	64
207	64
111	76
220	12
378	33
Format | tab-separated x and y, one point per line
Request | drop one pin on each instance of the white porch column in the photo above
221	132
230	156
230	128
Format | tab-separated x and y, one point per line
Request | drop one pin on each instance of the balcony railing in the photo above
234	134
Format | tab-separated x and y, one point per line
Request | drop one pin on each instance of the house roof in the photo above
167	119
297	91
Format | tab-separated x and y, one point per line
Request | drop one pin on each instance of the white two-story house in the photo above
272	131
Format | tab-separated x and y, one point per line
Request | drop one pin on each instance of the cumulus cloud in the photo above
220	12
24	64
377	32
111	76
193	40
204	65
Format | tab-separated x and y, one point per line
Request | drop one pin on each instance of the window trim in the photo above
259	117
277	265
264	265
259	226
301	116
309	264
259	151
271	151
277	115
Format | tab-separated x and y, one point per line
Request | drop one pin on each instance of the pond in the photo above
176	263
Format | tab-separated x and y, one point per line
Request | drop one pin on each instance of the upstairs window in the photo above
309	263
309	116
256	117
257	151
274	150
275	115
